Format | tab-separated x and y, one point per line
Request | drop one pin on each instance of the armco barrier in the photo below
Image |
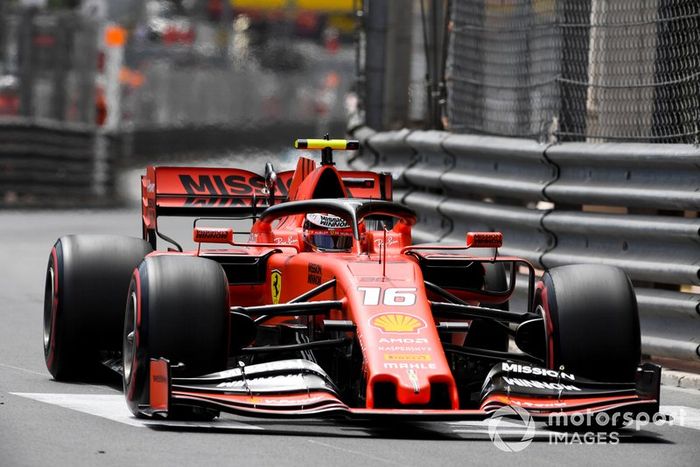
497	168
44	163
431	226
429	162
669	322
521	227
630	205
496	184
661	249
657	176
394	155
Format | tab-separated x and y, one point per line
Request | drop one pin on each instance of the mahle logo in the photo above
516	419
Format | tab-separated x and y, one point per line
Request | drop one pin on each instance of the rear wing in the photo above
230	192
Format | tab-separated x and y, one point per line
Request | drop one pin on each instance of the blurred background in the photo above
132	64
111	85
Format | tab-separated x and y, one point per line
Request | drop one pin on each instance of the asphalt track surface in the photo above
43	422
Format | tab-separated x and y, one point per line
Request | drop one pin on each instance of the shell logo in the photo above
397	322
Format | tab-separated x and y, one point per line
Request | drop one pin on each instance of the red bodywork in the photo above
380	287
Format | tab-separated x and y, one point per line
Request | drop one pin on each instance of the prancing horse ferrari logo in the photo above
276	285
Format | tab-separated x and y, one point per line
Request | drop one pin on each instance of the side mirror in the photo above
212	235
484	239
270	182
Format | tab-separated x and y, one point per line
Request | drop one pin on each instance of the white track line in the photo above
113	407
686	417
691	391
24	370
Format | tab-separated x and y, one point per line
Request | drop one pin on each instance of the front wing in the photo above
301	389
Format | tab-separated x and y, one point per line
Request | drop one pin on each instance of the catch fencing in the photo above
630	205
573	70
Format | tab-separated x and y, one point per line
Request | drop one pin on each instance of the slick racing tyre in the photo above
486	333
177	309
87	279
591	321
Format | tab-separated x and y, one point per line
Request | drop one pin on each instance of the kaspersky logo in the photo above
397	323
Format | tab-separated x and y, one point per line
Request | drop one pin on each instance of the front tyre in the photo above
87	279
592	322
177	309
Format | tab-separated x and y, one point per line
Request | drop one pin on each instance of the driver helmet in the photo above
327	232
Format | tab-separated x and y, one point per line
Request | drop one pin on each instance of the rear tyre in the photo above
592	322
177	309
87	279
486	333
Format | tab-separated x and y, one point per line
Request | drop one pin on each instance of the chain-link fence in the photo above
576	70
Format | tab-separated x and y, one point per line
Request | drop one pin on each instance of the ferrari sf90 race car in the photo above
326	308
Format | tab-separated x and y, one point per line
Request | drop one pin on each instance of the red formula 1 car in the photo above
327	309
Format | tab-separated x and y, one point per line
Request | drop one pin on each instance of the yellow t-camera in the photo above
340	144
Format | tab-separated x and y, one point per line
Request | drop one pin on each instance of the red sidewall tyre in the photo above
87	278
178	309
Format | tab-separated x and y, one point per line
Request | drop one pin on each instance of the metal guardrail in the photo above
44	163
630	205
659	176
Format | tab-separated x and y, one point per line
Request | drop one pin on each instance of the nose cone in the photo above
412	385
406	362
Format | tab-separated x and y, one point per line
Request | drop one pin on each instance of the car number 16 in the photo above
393	296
